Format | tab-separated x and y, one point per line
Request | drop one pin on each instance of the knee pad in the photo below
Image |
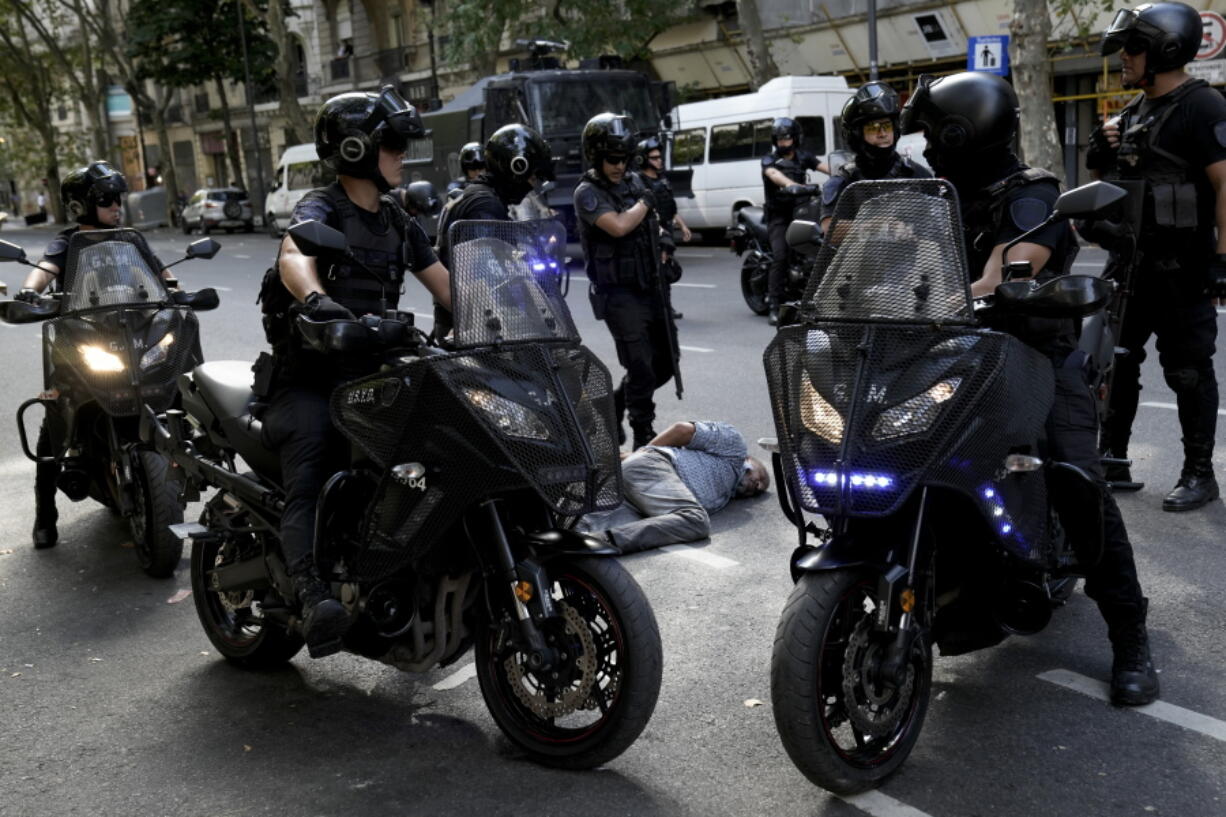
1182	380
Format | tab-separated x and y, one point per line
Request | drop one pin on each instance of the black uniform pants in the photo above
1072	437
45	474
297	425
641	328
1168	301
776	230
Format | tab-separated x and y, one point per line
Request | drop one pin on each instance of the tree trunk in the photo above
236	165
297	123
762	66
52	172
1029	31
169	179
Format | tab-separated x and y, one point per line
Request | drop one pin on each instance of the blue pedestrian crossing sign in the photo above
988	54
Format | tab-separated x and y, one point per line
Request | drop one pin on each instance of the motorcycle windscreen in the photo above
893	254
506	282
866	414
110	268
124	358
481	423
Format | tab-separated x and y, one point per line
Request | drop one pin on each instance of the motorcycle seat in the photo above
754	219
225	386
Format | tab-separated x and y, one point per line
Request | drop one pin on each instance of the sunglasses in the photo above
883	128
616	160
656	158
1136	45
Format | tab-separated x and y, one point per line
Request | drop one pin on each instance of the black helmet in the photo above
350	128
472	157
786	127
85	189
1169	34
514	154
606	134
963	116
873	101
422	198
646	146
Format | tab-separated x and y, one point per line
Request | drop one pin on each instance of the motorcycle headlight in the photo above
510	417
158	354
917	414
819	416
100	360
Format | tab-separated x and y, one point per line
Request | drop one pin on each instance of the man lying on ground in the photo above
674	483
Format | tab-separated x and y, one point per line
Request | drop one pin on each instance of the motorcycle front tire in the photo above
755	276
156	507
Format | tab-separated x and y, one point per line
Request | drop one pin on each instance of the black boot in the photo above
45	515
643	434
1196	486
1133	679
324	619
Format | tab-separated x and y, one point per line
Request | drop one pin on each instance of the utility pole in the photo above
258	191
872	40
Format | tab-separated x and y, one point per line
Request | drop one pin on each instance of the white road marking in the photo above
1221	311
692	254
1161	710
16	465
880	804
458	677
1174	407
697	286
244	257
695	349
697	555
223	289
1088	263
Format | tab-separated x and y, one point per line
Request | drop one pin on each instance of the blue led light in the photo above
1006	529
988	493
821	479
538	267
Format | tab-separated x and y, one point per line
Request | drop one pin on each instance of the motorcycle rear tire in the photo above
246	642
755	274
821	610
157	507
639	664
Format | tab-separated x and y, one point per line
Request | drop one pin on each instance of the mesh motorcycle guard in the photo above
110	268
863	372
506	279
899	258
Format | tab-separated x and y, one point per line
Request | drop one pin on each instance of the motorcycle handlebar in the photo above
369	332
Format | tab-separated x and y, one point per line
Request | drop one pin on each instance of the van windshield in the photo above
563	106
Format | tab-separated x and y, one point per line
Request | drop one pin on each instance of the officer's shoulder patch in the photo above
832	188
1219	133
1028	213
587	200
768	160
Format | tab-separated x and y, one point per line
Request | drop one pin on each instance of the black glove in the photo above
319	307
800	190
1217	276
648	198
30	296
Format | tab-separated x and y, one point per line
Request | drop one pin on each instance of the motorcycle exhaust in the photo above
1022	608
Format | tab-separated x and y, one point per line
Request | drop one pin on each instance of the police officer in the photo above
93	197
420	200
870	128
785	166
970	120
362	136
650	159
620	237
1172	135
517	158
472	162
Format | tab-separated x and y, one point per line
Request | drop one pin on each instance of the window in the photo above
396	24
731	143
814	129
420	151
304	175
689	147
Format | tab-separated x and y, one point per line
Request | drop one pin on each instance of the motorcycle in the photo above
115	337
917	432
750	241
453	526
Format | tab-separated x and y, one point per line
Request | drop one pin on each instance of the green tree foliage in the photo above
591	27
182	43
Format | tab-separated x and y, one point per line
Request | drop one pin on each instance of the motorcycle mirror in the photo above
314	238
11	252
201	300
837	158
204	248
22	312
805	237
789	314
1088	200
1068	296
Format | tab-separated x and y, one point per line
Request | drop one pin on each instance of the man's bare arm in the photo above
620	224
1036	254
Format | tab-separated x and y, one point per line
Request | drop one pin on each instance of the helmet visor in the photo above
400	120
909	119
106	179
877	101
1123	28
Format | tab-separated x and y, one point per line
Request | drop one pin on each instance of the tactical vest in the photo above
982	218
1171	196
777	205
458	209
666	205
627	261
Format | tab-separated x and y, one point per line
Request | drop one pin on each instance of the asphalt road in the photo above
112	701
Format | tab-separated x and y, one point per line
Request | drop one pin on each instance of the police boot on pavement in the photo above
650	160
784	166
620	237
362	136
970	121
1172	136
870	128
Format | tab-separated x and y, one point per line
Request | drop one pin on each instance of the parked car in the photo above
211	208
298	172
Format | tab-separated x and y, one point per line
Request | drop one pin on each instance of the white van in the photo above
298	172
724	141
